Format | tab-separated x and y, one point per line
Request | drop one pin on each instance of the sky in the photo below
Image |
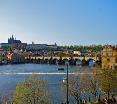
66	22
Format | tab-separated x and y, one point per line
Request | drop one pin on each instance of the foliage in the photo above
81	85
7	48
90	84
1	57
93	48
32	91
108	81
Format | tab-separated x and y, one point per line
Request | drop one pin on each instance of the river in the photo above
11	75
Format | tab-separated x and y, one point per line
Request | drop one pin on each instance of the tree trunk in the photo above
108	95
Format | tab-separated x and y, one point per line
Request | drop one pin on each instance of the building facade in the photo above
13	40
109	57
40	47
13	44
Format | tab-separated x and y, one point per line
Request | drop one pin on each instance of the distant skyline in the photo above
66	22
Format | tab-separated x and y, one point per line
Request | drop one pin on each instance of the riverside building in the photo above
109	57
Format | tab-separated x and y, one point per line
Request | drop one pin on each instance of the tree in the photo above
81	85
89	84
74	88
107	81
31	91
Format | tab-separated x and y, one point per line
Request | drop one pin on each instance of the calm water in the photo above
9	82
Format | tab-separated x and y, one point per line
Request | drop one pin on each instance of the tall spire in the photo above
12	37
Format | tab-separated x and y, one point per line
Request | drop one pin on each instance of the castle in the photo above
109	57
13	40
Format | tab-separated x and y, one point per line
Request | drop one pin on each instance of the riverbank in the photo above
73	62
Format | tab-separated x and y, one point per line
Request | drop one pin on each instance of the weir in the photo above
47	73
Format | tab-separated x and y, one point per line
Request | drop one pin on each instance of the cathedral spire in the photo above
12	37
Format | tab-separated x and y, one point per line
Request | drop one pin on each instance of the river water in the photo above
11	75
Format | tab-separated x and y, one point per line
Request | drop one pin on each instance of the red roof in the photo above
1	49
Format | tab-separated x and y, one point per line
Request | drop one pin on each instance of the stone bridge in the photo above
55	57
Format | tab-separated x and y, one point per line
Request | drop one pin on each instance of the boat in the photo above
60	68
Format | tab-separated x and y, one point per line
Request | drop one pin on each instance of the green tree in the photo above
31	91
107	79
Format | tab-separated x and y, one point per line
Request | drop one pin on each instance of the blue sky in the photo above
66	22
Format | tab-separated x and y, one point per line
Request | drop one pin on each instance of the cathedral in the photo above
13	40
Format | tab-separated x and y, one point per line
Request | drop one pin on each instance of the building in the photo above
13	40
13	44
109	57
19	46
77	53
40	47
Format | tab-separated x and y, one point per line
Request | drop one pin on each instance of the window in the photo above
116	60
108	59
